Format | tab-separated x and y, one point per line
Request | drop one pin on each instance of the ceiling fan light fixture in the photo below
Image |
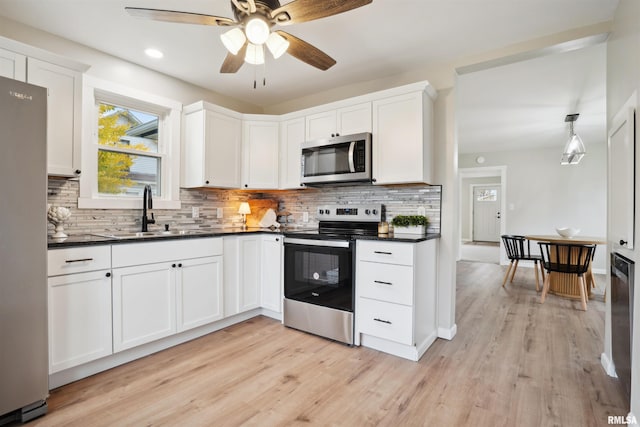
574	150
277	45
233	40
255	54
257	30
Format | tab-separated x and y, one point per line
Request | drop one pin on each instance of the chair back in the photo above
566	257
517	247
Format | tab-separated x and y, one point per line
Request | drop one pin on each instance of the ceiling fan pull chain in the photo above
254	77
264	73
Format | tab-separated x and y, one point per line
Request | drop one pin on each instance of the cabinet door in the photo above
355	119
63	115
199	290
291	137
223	143
271	272
402	145
321	125
79	319
13	65
144	304
260	154
249	292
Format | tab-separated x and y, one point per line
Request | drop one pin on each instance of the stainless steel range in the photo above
319	270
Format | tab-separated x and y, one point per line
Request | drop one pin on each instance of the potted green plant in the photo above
410	224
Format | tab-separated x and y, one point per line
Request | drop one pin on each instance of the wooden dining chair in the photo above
567	259
518	249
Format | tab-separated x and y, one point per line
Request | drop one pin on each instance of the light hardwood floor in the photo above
514	362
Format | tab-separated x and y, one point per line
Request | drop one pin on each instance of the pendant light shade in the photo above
255	54
233	40
277	45
574	150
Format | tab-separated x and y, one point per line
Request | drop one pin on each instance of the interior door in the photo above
486	213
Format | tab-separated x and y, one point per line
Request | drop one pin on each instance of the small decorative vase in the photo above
57	215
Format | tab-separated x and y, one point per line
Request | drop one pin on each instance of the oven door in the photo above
319	272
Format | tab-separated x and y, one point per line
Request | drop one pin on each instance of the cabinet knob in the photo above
332	135
173	266
108	274
206	182
77	171
246	185
180	265
623	242
301	185
373	180
277	240
337	134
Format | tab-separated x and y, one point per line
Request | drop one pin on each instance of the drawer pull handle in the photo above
69	261
382	321
382	283
383	253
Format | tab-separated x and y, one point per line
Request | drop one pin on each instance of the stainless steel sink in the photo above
143	234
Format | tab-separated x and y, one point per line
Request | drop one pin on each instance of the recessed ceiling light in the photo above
154	53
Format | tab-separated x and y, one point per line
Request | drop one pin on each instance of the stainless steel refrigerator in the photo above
23	250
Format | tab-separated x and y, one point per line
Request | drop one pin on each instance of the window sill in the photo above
85	203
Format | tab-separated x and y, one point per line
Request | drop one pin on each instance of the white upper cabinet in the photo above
342	121
291	137
260	142
403	139
64	119
13	65
211	149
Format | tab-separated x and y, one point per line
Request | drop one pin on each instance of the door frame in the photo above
472	204
485	172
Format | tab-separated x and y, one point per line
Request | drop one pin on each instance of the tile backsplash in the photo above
405	199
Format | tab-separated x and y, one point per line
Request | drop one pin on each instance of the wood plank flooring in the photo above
514	362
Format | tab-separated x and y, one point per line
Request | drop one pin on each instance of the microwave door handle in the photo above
352	148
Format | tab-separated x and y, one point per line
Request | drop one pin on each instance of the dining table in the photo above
567	285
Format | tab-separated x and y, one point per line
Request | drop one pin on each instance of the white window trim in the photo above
96	90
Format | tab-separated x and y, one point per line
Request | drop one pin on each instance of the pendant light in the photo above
574	149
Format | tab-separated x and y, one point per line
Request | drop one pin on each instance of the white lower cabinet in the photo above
144	304
153	300
271	290
79	305
199	291
396	296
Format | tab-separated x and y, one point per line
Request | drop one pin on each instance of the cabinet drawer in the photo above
78	259
386	252
385	320
385	282
129	254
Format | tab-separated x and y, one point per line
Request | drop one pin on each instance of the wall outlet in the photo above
305	216
195	212
219	213
422	211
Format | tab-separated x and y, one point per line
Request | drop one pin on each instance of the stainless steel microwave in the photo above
340	159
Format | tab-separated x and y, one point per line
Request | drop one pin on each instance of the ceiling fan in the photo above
253	22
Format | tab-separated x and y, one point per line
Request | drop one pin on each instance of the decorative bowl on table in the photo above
57	215
567	231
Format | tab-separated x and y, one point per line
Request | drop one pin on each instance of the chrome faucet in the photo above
147	203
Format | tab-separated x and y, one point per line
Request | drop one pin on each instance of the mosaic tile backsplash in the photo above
405	200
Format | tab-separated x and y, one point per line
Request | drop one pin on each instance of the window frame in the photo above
97	91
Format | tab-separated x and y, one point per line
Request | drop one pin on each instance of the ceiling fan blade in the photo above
308	53
308	10
179	17
232	63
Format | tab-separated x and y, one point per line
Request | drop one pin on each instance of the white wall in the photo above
623	78
542	194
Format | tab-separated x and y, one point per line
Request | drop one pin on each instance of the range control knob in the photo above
327	211
367	211
320	211
375	211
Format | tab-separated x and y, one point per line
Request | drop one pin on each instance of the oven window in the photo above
319	275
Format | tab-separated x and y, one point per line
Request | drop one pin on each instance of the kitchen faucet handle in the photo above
152	220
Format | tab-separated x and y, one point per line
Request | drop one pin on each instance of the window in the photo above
130	140
486	195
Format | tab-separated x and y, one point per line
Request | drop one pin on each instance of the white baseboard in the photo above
449	333
608	365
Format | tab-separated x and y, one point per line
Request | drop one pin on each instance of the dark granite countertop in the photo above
107	238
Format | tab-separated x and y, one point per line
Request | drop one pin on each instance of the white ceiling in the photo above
501	108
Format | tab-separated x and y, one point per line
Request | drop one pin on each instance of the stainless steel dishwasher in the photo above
622	272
